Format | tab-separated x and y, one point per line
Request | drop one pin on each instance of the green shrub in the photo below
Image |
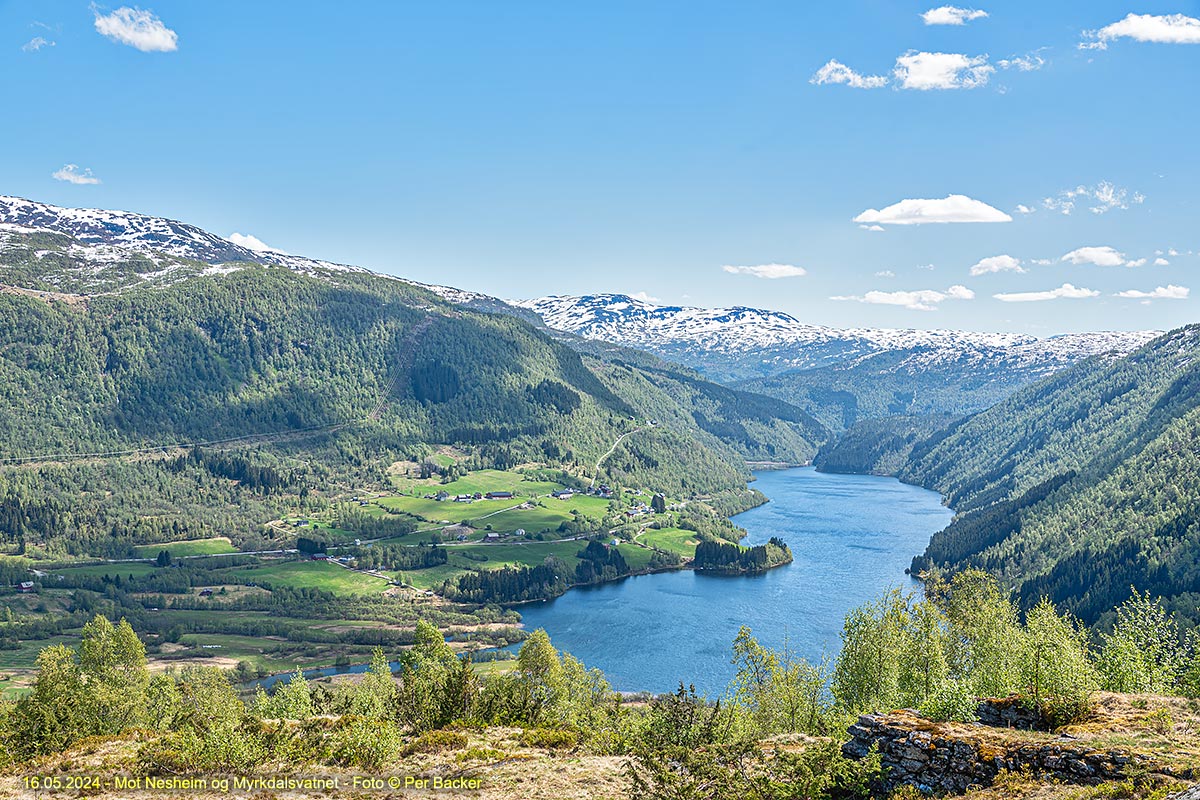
366	743
951	702
437	742
215	750
550	738
743	770
1066	709
1160	720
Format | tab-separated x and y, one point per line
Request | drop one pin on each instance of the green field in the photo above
636	557
269	655
519	554
24	656
548	516
310	574
495	480
192	547
433	578
545	517
675	540
434	511
136	568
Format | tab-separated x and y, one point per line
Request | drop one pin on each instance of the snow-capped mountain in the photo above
740	342
104	236
149	251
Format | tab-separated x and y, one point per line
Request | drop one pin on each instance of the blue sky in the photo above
531	148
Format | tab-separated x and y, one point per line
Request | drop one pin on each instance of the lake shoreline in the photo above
852	536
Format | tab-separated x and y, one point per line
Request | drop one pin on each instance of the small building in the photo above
492	536
206	592
499	495
319	557
519	532
25	587
562	494
441	496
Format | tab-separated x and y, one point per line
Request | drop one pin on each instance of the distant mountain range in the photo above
840	375
753	342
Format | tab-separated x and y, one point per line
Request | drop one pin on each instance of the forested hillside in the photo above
1081	486
879	446
886	384
332	374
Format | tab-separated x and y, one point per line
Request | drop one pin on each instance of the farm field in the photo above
434	511
483	481
264	655
307	574
193	547
675	540
514	554
124	569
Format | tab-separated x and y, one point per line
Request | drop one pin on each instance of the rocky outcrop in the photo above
935	759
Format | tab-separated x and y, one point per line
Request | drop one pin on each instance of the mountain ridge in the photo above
746	330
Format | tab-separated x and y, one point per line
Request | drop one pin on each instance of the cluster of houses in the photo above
444	496
638	509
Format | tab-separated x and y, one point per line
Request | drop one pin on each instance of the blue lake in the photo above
852	537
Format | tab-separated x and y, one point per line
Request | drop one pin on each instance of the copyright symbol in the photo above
393	782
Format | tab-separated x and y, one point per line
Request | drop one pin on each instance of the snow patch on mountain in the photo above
780	342
127	231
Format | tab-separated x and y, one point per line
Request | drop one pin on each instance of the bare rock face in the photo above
942	758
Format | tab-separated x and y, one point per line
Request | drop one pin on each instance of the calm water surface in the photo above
852	537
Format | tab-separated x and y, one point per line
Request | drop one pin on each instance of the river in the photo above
852	537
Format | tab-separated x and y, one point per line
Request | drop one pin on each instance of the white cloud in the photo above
873	228
927	267
1172	252
1137	262
997	264
137	28
72	174
953	208
1024	209
1030	62
885	273
767	270
951	15
645	297
1042	262
1165	29
252	243
1105	195
1168	292
1066	290
924	71
35	44
919	300
1101	257
1161	262
837	72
